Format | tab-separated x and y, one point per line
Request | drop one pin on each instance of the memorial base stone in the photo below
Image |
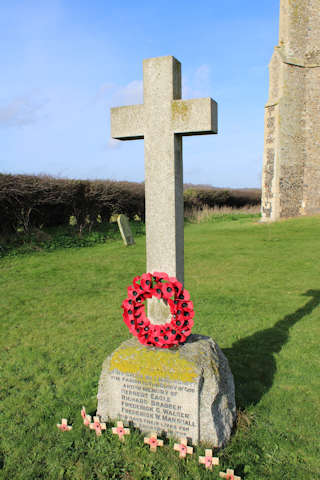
184	391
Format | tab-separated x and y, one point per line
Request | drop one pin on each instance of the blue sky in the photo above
64	63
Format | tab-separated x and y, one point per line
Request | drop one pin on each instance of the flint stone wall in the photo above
185	391
291	170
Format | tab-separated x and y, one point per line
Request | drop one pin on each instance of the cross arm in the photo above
127	123
194	117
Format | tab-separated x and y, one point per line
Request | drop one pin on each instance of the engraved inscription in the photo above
169	406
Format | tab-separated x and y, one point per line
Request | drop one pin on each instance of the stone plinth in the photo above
186	391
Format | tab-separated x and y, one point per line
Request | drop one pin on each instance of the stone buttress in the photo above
291	167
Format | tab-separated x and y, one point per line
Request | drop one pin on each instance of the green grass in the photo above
256	291
53	238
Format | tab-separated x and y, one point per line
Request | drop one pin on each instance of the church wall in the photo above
291	169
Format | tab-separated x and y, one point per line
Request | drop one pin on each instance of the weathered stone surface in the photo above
162	120
186	391
125	230
291	169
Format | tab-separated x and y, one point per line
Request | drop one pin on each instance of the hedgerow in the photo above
29	202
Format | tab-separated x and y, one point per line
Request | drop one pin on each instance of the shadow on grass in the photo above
251	359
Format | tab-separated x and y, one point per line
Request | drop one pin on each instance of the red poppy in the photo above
157	290
186	305
184	295
167	290
187	327
160	276
135	281
127	303
138	310
131	324
178	287
133	292
183	449
146	282
153	442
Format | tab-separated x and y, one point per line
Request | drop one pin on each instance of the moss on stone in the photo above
215	369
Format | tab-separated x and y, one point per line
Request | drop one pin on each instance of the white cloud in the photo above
104	90
120	95
112	95
129	94
113	143
202	75
199	84
22	110
187	91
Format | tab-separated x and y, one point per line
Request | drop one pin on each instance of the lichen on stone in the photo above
180	109
153	365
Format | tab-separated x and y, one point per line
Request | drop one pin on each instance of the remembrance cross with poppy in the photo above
161	121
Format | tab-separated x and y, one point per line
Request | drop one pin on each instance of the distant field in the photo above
256	291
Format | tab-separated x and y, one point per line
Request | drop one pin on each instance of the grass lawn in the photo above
256	291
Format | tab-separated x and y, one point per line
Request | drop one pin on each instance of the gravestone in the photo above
291	165
125	229
186	391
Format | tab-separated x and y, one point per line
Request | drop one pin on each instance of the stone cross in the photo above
162	120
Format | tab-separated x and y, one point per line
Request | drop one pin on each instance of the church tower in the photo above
291	164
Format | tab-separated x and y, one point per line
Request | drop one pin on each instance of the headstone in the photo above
187	391
291	166
125	230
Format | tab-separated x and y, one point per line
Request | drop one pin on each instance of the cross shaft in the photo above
162	121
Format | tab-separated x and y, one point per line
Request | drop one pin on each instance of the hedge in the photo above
28	202
198	197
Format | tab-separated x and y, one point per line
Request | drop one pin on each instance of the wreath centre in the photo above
158	311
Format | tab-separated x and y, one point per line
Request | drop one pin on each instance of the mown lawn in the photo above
256	290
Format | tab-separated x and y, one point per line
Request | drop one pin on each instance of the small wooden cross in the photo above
63	426
97	426
153	442
183	448
208	460
120	431
86	418
229	475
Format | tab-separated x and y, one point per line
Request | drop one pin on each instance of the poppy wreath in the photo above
161	286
